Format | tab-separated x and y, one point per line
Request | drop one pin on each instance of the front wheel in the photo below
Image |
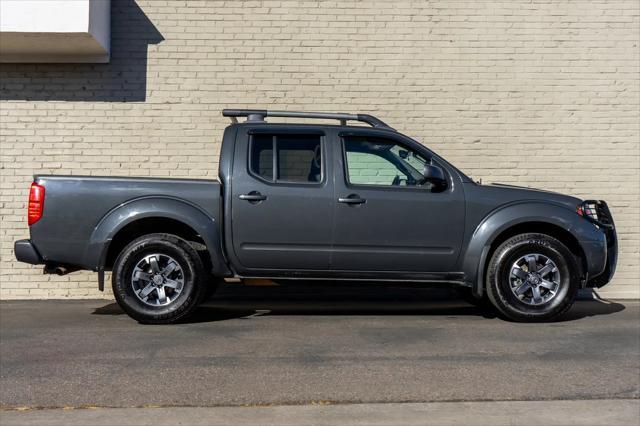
532	277
159	279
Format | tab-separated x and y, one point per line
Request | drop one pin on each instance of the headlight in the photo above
596	212
588	210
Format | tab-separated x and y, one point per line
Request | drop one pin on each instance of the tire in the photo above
512	290
182	279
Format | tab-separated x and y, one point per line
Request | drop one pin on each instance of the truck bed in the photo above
75	206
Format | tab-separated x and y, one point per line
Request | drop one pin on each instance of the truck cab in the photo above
339	200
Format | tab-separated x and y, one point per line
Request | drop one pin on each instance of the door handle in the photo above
352	199
253	196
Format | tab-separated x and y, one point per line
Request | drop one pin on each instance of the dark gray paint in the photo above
26	252
83	213
396	229
302	230
293	222
516	206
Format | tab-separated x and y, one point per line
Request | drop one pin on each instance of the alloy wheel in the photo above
534	279
157	279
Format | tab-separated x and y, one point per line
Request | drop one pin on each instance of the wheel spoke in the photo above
153	261
169	269
171	283
519	272
522	289
546	269
532	263
548	284
537	298
162	297
141	275
146	291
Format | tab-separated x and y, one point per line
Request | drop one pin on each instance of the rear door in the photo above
385	218
282	200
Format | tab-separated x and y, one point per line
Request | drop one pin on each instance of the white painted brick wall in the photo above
540	93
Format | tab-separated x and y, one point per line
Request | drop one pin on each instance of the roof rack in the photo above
259	115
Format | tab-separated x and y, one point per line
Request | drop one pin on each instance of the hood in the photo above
527	188
504	194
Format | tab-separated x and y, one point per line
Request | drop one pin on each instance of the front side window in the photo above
297	158
382	162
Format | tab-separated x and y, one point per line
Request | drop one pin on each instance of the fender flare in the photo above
160	207
507	216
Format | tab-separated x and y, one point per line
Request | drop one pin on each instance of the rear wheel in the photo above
532	277
159	279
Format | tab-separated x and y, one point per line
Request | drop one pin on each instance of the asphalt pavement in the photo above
265	346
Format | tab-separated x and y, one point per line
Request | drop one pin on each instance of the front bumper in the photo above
607	227
612	260
26	252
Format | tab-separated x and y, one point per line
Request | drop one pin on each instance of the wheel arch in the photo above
500	225
550	229
155	214
148	225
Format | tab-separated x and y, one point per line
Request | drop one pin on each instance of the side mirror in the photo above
435	175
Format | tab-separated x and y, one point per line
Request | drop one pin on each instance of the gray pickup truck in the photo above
320	201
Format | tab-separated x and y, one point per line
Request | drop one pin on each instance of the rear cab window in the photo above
287	158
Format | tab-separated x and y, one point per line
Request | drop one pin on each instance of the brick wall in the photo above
540	93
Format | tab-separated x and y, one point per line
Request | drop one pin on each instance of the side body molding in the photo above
591	240
160	207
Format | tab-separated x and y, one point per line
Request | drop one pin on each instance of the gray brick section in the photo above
540	93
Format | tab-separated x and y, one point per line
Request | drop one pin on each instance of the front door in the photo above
386	217
282	201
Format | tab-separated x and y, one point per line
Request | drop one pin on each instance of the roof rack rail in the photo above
259	115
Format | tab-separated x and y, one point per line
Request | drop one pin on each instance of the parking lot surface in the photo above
313	345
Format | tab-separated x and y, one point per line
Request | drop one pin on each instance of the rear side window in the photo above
286	158
262	156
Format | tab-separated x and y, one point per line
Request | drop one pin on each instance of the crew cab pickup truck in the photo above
320	201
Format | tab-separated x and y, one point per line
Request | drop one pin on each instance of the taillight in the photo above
36	203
